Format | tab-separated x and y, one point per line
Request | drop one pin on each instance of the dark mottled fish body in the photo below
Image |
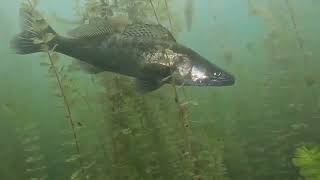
113	53
146	52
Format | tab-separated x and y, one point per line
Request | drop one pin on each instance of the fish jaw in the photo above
224	79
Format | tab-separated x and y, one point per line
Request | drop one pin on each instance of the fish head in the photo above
194	70
210	75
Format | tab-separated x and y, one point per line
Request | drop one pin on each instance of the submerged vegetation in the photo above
81	126
308	162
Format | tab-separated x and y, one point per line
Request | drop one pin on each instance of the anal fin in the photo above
83	66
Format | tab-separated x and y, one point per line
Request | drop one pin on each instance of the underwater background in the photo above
59	123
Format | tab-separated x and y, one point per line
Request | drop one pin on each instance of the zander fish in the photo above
149	53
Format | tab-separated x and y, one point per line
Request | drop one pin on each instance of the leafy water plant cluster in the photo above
308	161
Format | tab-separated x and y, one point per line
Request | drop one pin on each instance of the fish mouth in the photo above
216	83
225	80
222	82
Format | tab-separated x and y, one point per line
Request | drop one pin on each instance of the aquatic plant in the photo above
307	159
267	137
34	158
61	93
63	85
183	111
295	28
29	157
144	141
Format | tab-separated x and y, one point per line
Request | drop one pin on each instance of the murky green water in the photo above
68	124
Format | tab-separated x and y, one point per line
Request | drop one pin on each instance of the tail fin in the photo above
36	35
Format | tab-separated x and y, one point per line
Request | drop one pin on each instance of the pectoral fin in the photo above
145	86
152	77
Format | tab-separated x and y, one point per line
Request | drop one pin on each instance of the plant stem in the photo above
154	11
183	117
169	15
67	108
299	39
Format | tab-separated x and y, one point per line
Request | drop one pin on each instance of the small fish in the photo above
147	52
188	13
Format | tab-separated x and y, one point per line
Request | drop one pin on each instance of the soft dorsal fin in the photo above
151	31
96	27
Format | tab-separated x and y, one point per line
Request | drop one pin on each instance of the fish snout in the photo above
223	79
227	79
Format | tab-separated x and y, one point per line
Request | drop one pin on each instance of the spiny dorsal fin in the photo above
96	27
148	31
